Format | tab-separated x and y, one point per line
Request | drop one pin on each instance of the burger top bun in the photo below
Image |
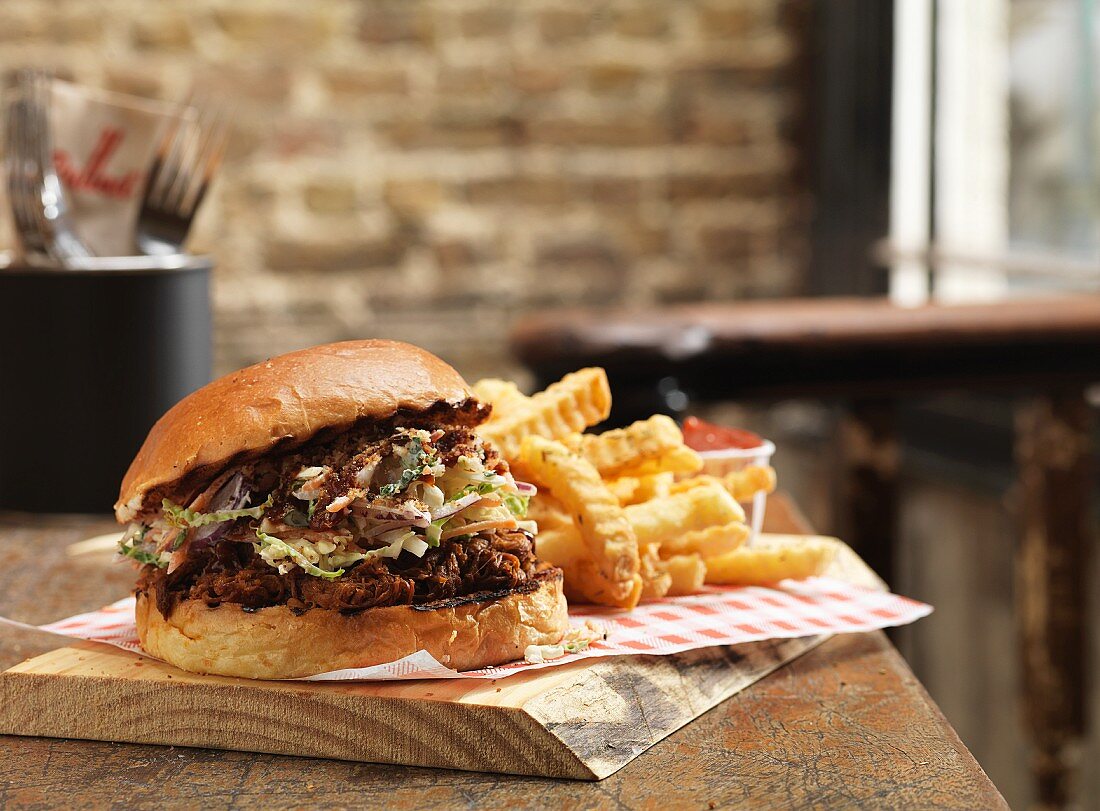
284	402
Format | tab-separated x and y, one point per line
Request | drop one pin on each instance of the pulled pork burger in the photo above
333	508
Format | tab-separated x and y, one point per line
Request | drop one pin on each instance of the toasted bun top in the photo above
283	402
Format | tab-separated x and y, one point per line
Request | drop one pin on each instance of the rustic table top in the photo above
845	725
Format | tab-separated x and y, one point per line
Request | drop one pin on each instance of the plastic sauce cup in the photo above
728	460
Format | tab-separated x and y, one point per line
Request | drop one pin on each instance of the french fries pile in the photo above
625	513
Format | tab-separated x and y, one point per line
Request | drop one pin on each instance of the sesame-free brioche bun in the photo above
276	643
284	402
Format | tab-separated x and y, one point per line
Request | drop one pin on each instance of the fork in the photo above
36	194
188	155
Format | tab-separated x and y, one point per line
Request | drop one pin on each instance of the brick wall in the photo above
432	170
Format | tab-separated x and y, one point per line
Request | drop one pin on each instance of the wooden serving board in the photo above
583	720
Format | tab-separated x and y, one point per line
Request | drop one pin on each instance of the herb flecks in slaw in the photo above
401	494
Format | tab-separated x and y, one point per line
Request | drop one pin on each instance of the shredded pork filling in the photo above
377	516
232	573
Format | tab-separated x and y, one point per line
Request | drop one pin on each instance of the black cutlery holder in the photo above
89	360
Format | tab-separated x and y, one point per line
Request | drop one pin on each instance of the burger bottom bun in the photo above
273	643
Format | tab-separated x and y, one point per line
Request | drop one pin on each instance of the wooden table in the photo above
847	724
867	353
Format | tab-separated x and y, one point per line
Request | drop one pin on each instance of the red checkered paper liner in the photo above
720	615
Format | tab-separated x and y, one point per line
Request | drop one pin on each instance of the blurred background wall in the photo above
432	170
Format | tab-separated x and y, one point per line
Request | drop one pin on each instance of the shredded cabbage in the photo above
435	529
179	516
416	546
516	504
272	549
397	541
285	554
482	489
132	544
160	560
428	494
537	654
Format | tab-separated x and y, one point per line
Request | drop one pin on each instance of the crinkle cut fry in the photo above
503	395
687	573
621	450
709	542
599	518
742	484
662	519
656	580
750	565
577	401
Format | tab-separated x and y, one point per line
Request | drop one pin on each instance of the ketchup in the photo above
706	436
